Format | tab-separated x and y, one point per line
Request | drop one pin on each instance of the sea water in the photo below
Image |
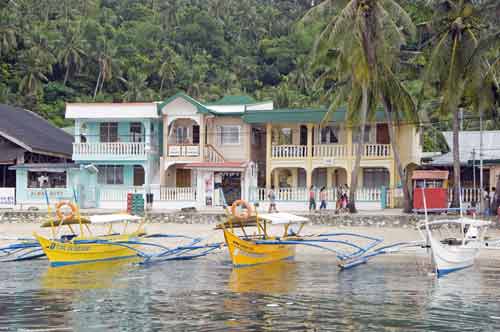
394	293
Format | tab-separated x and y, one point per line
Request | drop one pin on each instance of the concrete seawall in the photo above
326	218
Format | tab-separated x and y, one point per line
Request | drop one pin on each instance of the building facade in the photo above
194	154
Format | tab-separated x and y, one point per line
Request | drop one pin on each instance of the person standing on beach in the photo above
322	198
312	199
272	200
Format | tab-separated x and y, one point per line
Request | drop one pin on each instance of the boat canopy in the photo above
283	218
113	218
67	222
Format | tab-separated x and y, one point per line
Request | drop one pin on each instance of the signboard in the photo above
7	198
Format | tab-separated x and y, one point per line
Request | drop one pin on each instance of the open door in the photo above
383	134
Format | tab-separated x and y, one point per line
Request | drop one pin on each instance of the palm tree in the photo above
72	51
168	67
136	86
34	67
455	62
8	38
366	36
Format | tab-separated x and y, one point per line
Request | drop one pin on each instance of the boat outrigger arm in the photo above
352	255
26	249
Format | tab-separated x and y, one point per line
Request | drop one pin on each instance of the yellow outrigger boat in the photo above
88	247
246	249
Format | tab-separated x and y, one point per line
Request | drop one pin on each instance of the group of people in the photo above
341	204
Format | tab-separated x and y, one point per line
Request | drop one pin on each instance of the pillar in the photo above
269	129
78	125
276	178
165	135
202	138
295	177
147	127
329	177
309	155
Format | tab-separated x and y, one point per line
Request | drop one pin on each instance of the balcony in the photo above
110	151
331	151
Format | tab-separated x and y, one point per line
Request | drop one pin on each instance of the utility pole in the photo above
481	160
474	173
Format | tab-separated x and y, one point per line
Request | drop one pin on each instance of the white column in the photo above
147	126
78	124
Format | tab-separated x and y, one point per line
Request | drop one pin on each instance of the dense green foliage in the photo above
57	51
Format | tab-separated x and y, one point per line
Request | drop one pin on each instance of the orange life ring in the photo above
244	204
62	216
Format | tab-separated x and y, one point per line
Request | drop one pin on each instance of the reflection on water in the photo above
388	294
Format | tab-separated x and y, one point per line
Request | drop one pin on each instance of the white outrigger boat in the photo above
453	254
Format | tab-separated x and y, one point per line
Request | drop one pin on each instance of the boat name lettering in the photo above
56	246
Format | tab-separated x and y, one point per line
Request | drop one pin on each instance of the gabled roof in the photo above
199	106
234	100
33	133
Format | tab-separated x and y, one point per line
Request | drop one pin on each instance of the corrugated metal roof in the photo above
285	115
430	175
469	147
32	132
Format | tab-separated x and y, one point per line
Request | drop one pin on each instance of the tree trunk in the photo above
359	151
407	206
97	84
66	75
456	161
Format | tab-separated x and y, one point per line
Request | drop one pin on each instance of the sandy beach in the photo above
9	231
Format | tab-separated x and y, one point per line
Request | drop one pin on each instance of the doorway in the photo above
183	178
139	176
382	133
230	185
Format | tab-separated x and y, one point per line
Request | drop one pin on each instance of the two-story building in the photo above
190	153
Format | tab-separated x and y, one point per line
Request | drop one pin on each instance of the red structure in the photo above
435	186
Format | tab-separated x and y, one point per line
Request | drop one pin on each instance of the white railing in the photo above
368	194
468	194
115	148
118	193
330	151
376	150
302	194
288	151
212	155
183	150
177	194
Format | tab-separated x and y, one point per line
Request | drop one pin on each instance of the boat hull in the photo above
69	253
247	253
448	259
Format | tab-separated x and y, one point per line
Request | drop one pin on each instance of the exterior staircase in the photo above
212	155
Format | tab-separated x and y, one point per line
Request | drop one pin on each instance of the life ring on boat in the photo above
244	214
60	215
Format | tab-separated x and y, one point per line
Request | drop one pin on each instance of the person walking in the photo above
272	200
322	198
312	199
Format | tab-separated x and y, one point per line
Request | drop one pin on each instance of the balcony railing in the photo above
183	150
330	151
109	149
301	194
338	151
177	194
289	151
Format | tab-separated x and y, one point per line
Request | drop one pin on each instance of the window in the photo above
256	137
46	179
110	174
283	136
375	177
181	135
136	134
196	134
356	134
230	135
109	132
328	135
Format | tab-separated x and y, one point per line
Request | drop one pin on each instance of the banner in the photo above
7	198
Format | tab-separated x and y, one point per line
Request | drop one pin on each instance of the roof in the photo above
199	106
300	115
281	115
111	110
469	142
234	100
33	133
430	175
46	167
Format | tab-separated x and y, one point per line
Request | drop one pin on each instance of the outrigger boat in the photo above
457	253
262	247
22	250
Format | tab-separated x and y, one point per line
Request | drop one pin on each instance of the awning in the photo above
283	218
224	166
430	175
